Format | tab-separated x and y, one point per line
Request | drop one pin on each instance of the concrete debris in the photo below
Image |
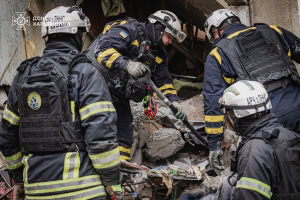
176	168
163	143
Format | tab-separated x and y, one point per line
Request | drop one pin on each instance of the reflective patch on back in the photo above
123	34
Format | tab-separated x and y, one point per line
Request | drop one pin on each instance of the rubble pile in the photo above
166	163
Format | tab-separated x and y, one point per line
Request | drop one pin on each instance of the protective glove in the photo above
180	114
136	69
216	159
114	192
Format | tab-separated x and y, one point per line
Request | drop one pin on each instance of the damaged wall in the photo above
11	43
282	13
25	43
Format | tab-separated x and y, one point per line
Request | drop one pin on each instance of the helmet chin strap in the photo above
153	33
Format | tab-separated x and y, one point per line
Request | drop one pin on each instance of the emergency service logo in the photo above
53	23
34	101
20	21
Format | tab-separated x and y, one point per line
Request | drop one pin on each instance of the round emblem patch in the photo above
34	101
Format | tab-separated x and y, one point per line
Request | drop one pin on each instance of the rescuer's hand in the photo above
136	69
216	159
114	192
180	114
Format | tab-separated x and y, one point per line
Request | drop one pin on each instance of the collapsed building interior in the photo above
186	64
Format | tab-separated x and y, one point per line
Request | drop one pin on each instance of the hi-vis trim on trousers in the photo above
15	161
71	165
107	159
11	117
90	193
62	185
94	108
256	185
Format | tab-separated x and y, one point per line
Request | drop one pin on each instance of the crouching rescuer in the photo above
59	126
267	160
121	54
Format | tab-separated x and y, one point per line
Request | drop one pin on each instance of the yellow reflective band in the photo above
276	29
166	86
106	159
228	80
61	186
136	43
77	165
71	165
117	188
108	27
15	161
216	54
72	103
105	53
122	157
25	171
94	108
256	185
66	166
123	22
89	193
112	59
124	149
170	92
239	32
290	53
14	157
11	117
50	183
217	118
158	60
209	130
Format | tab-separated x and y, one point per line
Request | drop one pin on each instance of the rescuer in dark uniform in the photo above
115	53
59	132
262	53
267	160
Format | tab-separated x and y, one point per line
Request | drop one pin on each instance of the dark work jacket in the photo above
219	74
259	173
72	174
120	43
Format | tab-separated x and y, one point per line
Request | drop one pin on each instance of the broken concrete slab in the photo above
194	108
163	143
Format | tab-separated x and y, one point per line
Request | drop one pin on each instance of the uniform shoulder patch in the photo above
123	34
34	101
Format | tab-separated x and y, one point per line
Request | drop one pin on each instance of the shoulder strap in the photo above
79	58
28	62
139	28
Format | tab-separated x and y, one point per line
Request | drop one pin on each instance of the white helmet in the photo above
246	98
216	19
170	21
64	20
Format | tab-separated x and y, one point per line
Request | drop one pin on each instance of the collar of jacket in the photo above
231	29
266	122
57	48
162	52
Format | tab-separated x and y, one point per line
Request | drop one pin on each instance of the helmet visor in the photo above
179	36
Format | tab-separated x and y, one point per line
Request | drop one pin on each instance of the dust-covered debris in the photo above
176	168
163	143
